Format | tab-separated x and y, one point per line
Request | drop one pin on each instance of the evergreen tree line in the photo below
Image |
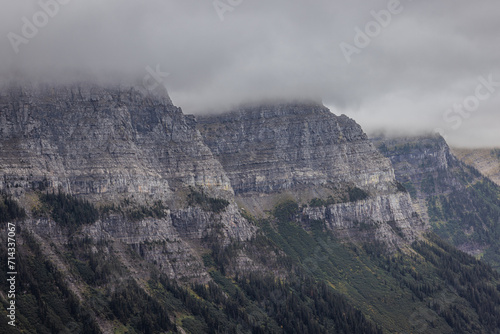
67	210
44	303
207	203
10	210
260	303
473	280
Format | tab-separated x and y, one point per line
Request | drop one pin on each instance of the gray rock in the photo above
302	150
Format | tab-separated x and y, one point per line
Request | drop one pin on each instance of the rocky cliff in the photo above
272	148
103	143
487	161
462	205
128	219
303	151
118	146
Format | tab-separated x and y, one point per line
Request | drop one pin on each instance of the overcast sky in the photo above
411	72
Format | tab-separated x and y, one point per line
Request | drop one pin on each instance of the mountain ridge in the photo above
283	218
280	151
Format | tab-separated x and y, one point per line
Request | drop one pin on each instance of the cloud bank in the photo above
404	66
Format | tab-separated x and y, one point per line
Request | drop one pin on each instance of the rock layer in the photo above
286	150
272	148
461	203
487	161
103	143
112	145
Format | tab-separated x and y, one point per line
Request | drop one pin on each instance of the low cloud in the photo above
413	69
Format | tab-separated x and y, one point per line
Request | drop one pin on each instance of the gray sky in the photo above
404	74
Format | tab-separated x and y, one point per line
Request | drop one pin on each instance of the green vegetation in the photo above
410	187
428	291
324	285
44	304
10	210
315	307
286	211
93	262
133	307
261	303
349	194
400	187
73	212
428	185
318	202
199	198
67	210
462	204
357	194
473	281
470	216
329	287
135	212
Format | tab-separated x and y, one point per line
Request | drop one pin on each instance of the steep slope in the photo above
101	142
326	162
154	187
128	223
111	145
271	148
433	290
463	206
487	161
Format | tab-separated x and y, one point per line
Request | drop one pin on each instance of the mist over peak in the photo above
407	73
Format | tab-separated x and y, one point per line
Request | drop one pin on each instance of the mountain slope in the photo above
463	206
326	162
101	142
275	147
126	221
487	161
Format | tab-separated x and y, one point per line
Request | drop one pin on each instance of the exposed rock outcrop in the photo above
267	149
302	151
103	143
461	203
110	145
487	161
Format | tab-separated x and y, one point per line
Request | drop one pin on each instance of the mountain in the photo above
131	217
487	161
123	150
306	153
463	206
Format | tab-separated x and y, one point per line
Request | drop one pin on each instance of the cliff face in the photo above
487	161
388	218
303	151
124	145
113	146
123	207
102	143
462	205
420	160
273	148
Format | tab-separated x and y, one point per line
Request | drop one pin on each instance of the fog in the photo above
402	66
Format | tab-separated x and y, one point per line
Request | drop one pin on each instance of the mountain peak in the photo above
84	92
